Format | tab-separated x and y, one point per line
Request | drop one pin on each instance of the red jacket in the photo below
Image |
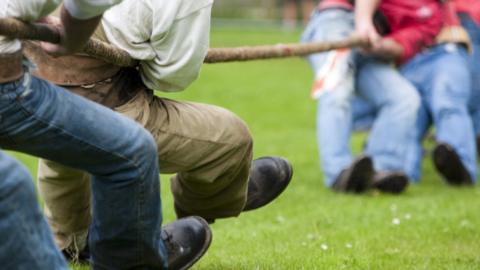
413	24
450	17
470	7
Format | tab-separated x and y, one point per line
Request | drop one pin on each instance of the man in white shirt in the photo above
44	120
207	147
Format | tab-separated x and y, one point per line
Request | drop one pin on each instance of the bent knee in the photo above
17	183
146	143
452	84
238	131
449	98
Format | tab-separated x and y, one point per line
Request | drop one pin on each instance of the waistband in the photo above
11	68
455	34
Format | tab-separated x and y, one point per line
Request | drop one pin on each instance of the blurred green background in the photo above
431	226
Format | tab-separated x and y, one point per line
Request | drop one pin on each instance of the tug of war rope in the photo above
14	28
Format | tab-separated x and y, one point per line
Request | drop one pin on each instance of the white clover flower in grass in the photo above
324	246
396	221
280	219
408	216
465	223
348	245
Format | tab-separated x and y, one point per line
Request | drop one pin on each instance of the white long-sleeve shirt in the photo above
31	10
169	37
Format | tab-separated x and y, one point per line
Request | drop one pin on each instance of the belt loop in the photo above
29	65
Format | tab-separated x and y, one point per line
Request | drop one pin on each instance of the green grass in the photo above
310	227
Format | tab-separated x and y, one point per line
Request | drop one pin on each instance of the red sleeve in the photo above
414	24
413	39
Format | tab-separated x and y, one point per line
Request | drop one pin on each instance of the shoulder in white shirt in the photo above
85	9
169	37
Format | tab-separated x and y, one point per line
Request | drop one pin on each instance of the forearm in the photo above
364	10
79	19
364	28
77	31
412	40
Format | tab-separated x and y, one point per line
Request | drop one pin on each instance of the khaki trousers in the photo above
208	148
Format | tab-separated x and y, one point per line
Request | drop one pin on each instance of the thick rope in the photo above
14	28
220	55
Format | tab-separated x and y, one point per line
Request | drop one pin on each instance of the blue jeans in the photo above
47	121
383	92
364	114
473	30
442	78
26	240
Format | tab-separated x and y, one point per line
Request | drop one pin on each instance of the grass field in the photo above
431	226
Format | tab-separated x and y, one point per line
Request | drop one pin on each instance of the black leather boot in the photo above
390	182
356	178
186	240
450	166
269	176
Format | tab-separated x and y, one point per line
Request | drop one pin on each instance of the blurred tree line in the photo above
247	9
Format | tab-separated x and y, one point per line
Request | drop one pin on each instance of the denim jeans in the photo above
47	121
364	114
383	92
473	30
442	78
26	240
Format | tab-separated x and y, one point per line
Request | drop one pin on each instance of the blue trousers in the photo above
473	30
442	78
26	240
43	120
382	92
